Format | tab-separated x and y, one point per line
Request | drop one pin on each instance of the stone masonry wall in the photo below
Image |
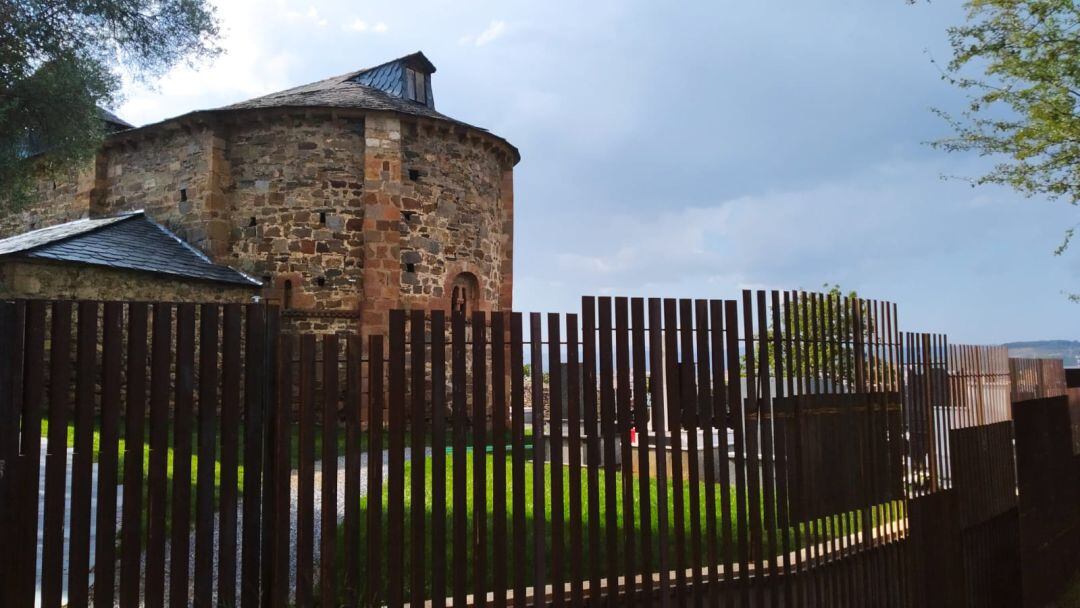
294	187
46	280
356	212
166	175
453	221
60	199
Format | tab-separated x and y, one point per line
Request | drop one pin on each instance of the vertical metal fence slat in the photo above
10	357
207	448
640	425
256	374
438	458
804	350
768	469
328	507
674	426
354	421
183	403
376	405
269	380
156	475
131	531
396	467
417	428
624	424
817	325
752	416
573	445
849	561
608	436
231	363
518	456
479	446
539	547
782	373
498	456
659	423
803	535
108	445
737	416
704	423
305	473
28	481
555	371
592	443
898	428
56	456
720	423
281	471
688	423
459	379
82	458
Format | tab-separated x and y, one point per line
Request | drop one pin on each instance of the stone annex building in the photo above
339	199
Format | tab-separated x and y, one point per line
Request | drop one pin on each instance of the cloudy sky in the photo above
695	149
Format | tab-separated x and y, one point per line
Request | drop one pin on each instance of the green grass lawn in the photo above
517	555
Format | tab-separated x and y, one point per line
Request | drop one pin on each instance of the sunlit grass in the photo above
522	556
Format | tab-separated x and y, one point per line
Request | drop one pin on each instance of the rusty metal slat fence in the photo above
778	449
1036	378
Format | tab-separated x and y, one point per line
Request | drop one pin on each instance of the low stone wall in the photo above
45	280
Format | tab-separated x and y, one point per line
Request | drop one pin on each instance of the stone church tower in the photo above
341	199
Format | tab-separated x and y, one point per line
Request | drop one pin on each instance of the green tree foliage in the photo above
826	333
60	60
1019	62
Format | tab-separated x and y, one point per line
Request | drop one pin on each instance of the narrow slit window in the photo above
183	195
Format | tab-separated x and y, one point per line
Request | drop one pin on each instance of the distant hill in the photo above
1067	350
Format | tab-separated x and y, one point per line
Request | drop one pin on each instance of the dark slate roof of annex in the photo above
130	242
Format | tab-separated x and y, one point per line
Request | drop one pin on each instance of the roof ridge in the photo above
339	79
196	251
395	60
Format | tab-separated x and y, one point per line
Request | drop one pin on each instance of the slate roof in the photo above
129	242
113	122
362	89
357	90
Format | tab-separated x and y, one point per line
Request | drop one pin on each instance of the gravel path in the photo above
67	516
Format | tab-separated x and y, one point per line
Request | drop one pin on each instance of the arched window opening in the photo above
464	293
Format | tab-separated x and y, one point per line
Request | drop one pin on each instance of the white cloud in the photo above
496	29
251	65
359	25
311	15
855	231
